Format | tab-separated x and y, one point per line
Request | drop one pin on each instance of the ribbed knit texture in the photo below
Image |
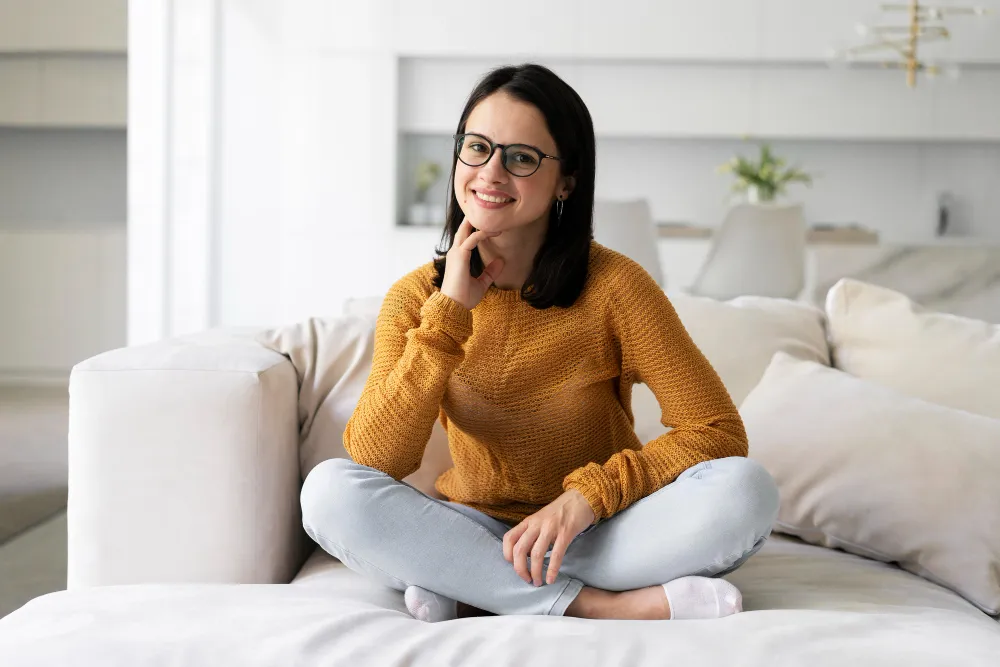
539	401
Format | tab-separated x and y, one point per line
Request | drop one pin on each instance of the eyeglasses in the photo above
520	160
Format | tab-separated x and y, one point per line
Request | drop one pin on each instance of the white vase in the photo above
754	196
419	213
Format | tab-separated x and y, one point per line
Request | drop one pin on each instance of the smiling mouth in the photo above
491	199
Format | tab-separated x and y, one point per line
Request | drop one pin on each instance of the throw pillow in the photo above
877	473
881	335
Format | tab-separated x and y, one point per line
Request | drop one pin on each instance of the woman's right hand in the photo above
458	283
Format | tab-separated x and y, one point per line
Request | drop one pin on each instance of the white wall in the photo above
290	186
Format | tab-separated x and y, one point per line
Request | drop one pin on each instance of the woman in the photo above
525	338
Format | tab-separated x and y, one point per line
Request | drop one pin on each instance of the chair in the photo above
627	227
759	250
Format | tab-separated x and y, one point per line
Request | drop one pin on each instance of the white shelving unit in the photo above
63	103
63	63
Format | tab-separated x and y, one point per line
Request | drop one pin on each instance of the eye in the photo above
478	146
524	158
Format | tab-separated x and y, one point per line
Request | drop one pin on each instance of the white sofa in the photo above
185	543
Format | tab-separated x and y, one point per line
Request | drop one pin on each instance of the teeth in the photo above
495	200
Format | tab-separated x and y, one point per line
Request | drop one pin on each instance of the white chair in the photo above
760	250
627	227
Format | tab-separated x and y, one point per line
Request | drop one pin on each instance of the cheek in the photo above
533	199
462	177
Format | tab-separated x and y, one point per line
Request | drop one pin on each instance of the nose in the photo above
493	171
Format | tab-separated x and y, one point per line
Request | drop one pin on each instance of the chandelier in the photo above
925	24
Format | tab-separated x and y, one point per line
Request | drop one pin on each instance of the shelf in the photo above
48	26
58	91
825	235
727	101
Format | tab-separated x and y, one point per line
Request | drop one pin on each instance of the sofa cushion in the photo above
804	605
864	468
332	359
883	336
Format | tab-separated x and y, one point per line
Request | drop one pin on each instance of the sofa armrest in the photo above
183	464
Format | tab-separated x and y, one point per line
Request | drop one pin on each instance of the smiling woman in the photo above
525	338
545	137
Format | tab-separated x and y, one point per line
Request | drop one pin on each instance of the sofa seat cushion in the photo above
804	605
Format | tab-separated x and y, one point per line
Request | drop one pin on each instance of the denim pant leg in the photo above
393	533
707	522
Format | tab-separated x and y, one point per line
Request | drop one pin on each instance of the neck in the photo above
518	247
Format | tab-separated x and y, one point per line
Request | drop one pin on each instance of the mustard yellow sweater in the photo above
539	401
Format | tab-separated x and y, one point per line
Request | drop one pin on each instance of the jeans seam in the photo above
569	582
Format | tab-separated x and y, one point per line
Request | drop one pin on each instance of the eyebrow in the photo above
522	143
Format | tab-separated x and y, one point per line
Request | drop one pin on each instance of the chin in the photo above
490	223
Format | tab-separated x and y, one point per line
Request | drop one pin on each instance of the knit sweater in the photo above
538	401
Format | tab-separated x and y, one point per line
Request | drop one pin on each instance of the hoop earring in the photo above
559	210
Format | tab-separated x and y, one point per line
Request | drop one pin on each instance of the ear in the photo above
568	183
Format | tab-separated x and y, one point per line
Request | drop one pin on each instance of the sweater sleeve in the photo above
418	343
657	350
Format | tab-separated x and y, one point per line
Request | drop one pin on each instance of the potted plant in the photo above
421	212
765	179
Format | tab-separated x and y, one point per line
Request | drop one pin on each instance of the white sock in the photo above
702	597
425	605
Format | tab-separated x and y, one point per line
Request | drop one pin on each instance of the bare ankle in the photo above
589	603
639	604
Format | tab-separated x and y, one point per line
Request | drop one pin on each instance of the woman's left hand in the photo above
555	524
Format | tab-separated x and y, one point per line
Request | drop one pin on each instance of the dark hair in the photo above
560	268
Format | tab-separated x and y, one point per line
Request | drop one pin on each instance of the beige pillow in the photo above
738	337
332	359
881	335
874	472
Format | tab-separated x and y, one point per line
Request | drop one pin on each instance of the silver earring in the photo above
559	210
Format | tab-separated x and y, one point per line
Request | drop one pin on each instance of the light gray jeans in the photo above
707	522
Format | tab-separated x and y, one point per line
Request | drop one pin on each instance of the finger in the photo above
521	551
462	233
538	557
510	538
475	239
491	272
556	559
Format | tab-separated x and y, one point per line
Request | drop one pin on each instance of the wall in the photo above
295	117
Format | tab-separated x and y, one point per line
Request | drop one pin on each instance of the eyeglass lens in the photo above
474	150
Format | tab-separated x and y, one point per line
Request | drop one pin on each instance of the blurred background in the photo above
171	166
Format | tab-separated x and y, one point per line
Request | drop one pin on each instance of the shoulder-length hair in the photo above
560	269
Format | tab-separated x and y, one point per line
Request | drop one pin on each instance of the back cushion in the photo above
332	359
883	336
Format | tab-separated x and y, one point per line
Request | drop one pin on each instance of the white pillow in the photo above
332	359
738	337
877	473
883	336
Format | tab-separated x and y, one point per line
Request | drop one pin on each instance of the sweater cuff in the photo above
450	316
592	495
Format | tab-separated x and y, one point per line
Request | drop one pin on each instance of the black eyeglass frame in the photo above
503	153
